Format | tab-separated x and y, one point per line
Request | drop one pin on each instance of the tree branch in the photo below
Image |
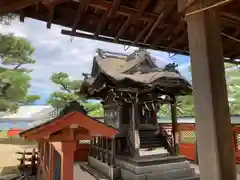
65	88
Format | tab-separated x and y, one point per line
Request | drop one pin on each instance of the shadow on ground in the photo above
9	170
16	141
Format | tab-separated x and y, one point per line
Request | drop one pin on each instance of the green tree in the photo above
233	86
67	94
6	19
15	52
67	90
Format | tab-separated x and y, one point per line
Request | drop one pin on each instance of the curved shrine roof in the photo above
139	71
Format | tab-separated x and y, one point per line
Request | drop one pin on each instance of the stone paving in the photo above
237	169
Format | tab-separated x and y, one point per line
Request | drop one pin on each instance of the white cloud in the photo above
55	53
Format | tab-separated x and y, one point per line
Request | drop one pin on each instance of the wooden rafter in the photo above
143	31
83	6
106	16
165	33
178	39
129	43
132	18
7	6
160	36
159	19
50	16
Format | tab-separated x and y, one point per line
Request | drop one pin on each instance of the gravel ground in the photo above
8	159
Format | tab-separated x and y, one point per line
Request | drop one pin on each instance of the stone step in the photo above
150	145
191	178
153	160
175	174
96	174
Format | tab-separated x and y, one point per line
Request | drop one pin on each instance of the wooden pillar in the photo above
213	125
174	123
45	154
51	164
135	126
67	159
113	152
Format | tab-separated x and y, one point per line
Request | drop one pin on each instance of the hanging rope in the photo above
209	7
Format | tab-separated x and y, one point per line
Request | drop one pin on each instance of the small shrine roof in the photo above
136	70
74	117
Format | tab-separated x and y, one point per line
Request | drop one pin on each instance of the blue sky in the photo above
55	52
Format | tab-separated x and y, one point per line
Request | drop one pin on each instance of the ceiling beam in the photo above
166	32
133	18
111	40
178	38
82	8
142	32
164	13
9	6
106	16
48	3
50	16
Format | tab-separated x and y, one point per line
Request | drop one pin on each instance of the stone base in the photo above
155	168
143	168
101	170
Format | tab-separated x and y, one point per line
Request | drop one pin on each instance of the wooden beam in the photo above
49	3
106	16
111	40
22	16
50	16
133	18
114	8
178	38
143	31
186	6
165	11
102	24
165	33
82	8
122	10
9	6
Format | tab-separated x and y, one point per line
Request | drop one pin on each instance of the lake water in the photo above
8	125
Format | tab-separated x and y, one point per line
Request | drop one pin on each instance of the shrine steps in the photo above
149	139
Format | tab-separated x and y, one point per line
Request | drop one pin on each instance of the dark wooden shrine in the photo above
132	89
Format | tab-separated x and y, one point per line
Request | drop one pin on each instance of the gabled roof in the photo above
68	117
93	127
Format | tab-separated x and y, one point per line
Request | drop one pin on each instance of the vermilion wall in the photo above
81	154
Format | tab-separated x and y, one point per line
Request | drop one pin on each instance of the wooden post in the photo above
113	152
134	126
45	155
67	159
174	123
51	165
107	151
213	125
98	148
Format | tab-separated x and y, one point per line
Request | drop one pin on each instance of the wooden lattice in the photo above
238	140
84	142
187	137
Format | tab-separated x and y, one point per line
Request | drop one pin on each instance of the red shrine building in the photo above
60	142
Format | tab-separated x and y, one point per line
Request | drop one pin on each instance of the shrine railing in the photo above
103	149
